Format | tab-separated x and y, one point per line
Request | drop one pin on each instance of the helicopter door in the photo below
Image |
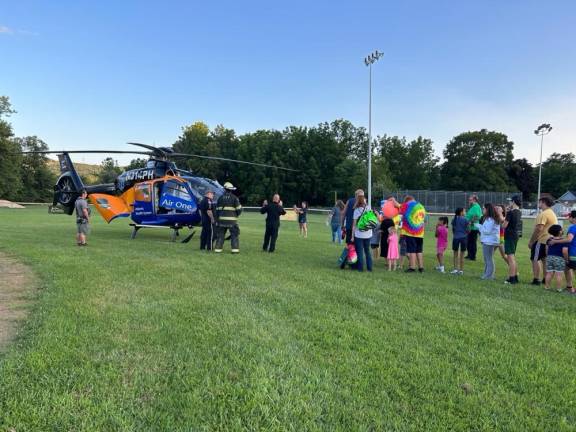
109	206
175	198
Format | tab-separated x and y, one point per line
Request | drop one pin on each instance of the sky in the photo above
95	75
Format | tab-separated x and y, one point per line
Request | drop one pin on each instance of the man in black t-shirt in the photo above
206	208
273	211
511	225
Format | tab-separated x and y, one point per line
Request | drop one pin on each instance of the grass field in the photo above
138	335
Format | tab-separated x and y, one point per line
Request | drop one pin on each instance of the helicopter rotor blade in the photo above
84	151
156	151
186	155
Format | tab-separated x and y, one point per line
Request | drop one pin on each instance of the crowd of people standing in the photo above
496	227
397	234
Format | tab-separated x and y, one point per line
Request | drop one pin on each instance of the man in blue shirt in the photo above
570	240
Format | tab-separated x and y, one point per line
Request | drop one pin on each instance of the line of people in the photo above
497	227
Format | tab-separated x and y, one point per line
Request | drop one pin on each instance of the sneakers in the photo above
456	272
410	270
235	251
535	282
421	270
512	280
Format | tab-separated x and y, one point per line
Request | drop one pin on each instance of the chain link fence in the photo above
448	201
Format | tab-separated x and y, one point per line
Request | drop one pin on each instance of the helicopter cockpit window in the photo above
199	186
142	192
175	198
151	164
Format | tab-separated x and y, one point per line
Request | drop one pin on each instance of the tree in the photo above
136	163
196	139
412	165
559	173
524	177
6	107
37	178
10	160
109	171
477	161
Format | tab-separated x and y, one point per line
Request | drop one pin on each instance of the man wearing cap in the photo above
206	208
228	209
511	225
82	218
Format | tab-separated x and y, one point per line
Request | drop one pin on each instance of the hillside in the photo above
88	172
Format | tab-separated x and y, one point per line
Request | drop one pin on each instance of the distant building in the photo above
565	203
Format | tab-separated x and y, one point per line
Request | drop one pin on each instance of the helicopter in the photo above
158	195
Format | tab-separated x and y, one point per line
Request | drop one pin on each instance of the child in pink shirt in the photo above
392	249
441	241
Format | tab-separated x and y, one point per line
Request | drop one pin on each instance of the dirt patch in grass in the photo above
17	283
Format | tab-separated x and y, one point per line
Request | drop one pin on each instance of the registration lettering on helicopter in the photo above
142	174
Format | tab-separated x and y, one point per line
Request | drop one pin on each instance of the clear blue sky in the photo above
98	74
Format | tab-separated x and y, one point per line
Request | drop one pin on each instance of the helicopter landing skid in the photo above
175	231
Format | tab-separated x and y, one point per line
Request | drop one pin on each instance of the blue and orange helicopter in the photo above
157	195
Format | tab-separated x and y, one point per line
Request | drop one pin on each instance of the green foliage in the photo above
37	178
136	163
10	161
6	107
196	139
477	161
412	165
110	170
559	174
524	177
147	335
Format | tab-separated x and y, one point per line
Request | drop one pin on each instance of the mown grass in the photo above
149	335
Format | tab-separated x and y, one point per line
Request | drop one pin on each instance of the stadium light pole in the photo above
543	129
369	61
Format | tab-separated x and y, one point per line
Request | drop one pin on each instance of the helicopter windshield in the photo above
201	185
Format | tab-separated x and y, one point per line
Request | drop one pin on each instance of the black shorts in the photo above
538	252
414	244
460	244
571	264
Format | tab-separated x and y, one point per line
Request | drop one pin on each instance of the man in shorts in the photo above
82	218
413	221
510	225
537	243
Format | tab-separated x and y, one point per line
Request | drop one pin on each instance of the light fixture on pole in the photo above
543	129
368	61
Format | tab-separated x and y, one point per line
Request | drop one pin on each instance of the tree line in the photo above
331	159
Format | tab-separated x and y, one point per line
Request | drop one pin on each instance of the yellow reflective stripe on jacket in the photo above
228	208
228	218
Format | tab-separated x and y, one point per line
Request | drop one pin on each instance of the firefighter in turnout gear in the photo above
228	209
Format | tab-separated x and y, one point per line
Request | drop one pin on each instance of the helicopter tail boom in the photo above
68	186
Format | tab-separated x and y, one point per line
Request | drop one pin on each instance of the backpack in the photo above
352	256
367	221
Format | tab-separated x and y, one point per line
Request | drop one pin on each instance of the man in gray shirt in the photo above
82	218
